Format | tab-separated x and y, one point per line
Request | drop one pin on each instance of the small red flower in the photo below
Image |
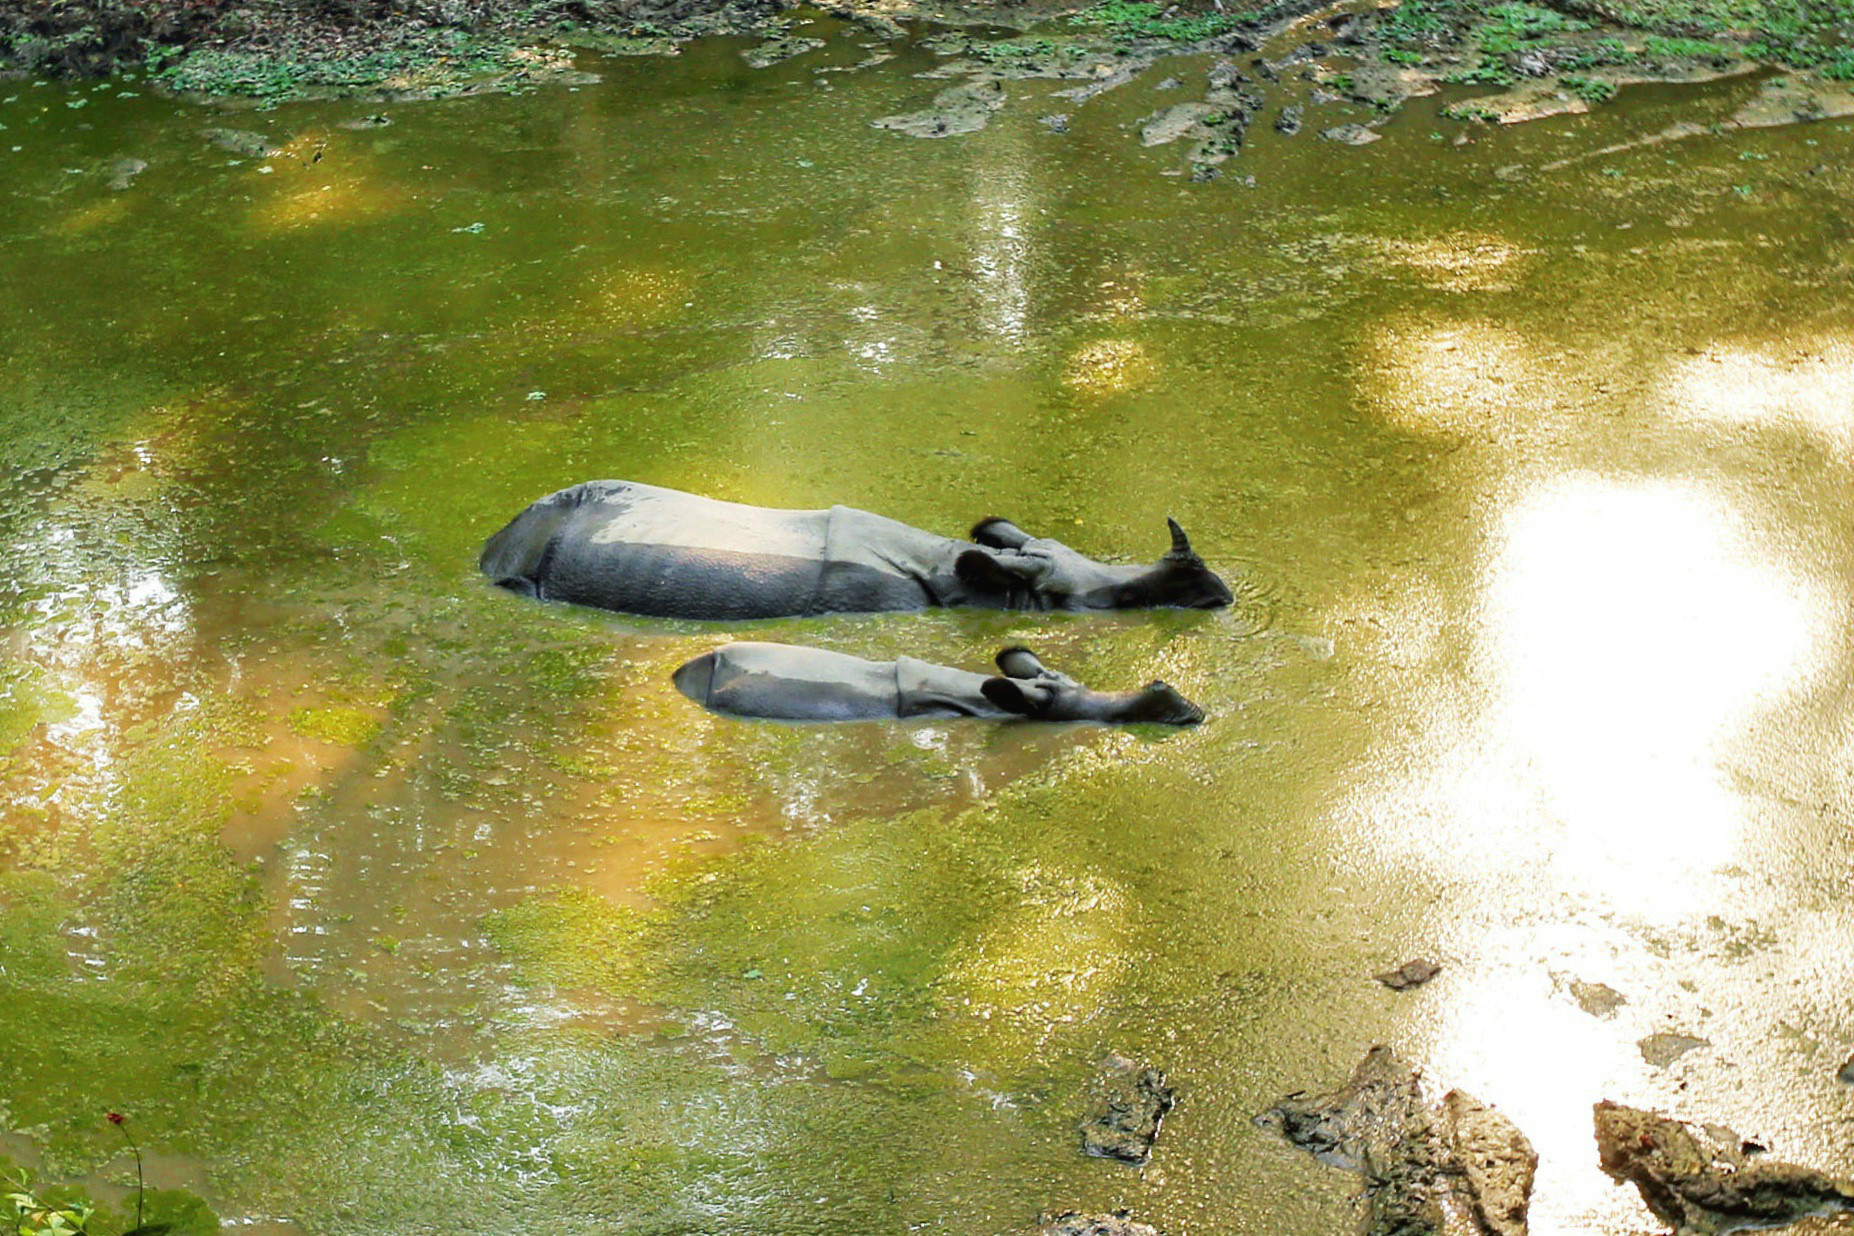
116	1117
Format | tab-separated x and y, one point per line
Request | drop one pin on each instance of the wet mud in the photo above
1456	1165
1130	1102
1706	1179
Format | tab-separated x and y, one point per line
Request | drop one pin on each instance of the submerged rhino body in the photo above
639	549
786	682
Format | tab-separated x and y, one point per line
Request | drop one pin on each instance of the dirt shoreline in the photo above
1533	60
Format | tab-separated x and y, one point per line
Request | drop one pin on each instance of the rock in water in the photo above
776	51
1074	1223
1494	1160
1426	1170
955	110
1409	974
1351	134
122	172
1664	1048
1702	1181
242	142
1596	999
1287	124
1131	1101
1176	121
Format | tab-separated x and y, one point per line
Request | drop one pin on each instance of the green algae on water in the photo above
340	724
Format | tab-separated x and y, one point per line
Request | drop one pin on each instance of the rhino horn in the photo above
1181	544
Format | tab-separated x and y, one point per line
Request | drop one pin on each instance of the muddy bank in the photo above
1342	67
271	50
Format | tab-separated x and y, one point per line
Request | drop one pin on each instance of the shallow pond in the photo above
383	901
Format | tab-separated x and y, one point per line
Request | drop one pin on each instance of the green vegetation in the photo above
290	48
1413	19
1132	20
570	938
1485	73
342	725
1021	53
1470	110
32	1215
1516	26
1662	47
446	63
1791	33
1589	89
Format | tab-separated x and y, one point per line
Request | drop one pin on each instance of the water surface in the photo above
384	901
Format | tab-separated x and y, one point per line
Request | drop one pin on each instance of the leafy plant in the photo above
1129	20
1531	21
1488	72
1589	89
1413	19
1661	47
35	1216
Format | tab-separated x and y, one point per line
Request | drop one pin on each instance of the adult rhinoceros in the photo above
639	549
787	682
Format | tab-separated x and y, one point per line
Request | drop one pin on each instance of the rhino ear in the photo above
1009	695
1019	662
994	572
1181	544
999	533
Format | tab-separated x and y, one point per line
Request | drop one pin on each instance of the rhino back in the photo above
642	549
791	683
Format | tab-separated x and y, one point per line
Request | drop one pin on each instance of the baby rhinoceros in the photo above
788	682
640	549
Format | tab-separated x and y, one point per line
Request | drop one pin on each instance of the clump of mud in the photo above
1708	1180
1456	1165
1413	973
1130	1102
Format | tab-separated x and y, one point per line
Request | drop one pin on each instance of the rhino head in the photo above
1015	570
1030	689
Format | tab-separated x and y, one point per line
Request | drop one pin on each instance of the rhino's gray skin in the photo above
639	549
788	682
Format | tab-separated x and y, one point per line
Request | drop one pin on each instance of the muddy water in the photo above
383	901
